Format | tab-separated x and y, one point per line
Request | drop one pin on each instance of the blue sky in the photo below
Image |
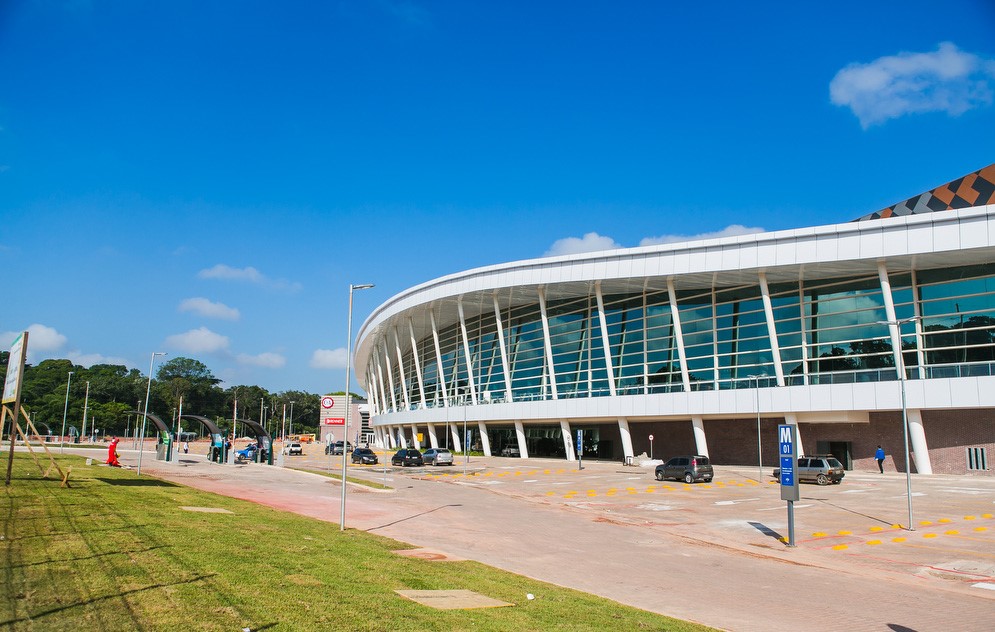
207	178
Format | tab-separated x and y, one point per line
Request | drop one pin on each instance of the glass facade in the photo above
817	331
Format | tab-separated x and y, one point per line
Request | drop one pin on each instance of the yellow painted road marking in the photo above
986	515
981	528
877	528
873	542
845	532
818	534
929	535
550	493
925	523
968	517
944	520
840	547
952	532
900	539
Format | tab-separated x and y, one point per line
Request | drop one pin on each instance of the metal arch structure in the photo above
213	428
164	430
262	437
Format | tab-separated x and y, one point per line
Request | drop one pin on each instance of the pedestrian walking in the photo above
186	447
879	457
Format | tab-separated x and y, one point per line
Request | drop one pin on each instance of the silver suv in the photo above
822	469
687	468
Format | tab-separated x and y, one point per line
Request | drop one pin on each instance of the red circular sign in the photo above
327	402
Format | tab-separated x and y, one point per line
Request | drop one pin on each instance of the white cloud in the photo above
206	308
591	242
40	338
221	271
201	340
266	360
946	80
729	231
89	359
329	358
250	275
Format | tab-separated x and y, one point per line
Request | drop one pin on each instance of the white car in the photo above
293	448
437	456
511	450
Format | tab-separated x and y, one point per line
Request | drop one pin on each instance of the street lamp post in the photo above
896	337
291	416
65	411
348	369
145	414
760	449
86	404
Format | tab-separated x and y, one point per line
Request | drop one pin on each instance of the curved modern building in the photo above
704	347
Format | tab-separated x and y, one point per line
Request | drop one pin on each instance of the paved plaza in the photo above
712	553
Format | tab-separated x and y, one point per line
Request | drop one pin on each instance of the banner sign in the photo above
14	364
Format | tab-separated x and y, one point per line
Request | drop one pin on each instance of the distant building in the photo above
331	420
693	343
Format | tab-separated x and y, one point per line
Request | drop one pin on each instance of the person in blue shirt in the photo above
879	456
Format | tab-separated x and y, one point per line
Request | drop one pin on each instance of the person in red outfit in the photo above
112	454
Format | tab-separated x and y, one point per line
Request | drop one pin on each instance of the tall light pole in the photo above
65	411
291	416
348	405
145	415
86	404
896	337
760	449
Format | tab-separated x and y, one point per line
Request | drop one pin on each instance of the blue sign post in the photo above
787	450
580	449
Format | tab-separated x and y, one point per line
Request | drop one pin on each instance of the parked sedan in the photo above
364	456
407	456
293	448
437	456
336	448
691	468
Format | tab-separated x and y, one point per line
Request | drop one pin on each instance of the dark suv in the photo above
687	468
407	456
821	469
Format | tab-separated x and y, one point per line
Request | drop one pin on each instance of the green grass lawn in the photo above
117	552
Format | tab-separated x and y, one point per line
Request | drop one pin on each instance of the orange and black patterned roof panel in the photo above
974	189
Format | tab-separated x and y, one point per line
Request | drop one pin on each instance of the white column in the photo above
700	442
791	418
623	430
485	441
400	371
917	439
414	437
547	344
383	395
466	352
390	375
418	373
504	352
568	444
457	443
403	440
523	447
893	327
775	347
675	316
433	440
606	345
438	359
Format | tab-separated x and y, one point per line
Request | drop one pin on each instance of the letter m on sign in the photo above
785	434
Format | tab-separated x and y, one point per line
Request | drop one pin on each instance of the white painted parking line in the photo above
985	585
965	490
913	493
854	491
531	480
734	502
782	507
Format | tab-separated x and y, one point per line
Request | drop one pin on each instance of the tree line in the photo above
111	393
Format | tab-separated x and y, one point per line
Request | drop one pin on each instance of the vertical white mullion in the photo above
400	370
438	359
917	310
675	316
646	351
372	387
466	352
589	346
390	374
547	343
418	372
715	337
606	345
501	344
775	347
803	329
